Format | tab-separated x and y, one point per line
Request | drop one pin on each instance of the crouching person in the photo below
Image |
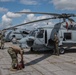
13	52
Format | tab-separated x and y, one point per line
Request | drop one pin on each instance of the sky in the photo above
9	18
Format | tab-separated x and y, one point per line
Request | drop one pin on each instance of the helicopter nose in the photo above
30	42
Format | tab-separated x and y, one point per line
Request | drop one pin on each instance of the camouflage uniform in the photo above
13	55
13	51
2	41
0	36
56	41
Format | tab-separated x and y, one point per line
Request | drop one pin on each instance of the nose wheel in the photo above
62	50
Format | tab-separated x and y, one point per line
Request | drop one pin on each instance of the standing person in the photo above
2	41
13	51
56	42
14	40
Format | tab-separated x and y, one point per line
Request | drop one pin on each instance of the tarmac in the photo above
40	63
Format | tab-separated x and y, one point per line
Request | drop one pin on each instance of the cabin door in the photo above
40	37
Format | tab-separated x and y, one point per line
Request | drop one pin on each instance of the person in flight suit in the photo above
13	51
56	42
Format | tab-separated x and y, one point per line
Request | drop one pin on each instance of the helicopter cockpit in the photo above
32	33
40	33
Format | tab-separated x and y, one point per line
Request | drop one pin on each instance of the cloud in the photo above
29	2
64	4
32	17
7	19
13	15
25	10
6	22
3	9
6	0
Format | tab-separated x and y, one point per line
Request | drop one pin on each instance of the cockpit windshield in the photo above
32	33
38	31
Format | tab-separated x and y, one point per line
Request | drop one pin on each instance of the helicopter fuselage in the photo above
43	38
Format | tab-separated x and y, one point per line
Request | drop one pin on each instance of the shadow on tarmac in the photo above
39	52
73	50
46	54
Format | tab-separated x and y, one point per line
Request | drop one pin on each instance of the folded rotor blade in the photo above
54	14
72	15
70	19
29	23
63	15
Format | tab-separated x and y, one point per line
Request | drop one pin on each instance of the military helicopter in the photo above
43	38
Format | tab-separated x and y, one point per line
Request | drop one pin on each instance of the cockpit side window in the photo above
32	33
25	32
40	34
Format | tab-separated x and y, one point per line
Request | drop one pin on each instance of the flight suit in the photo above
56	41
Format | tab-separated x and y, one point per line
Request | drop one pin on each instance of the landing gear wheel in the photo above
62	50
31	49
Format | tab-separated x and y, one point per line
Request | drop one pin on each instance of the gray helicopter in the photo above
43	38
